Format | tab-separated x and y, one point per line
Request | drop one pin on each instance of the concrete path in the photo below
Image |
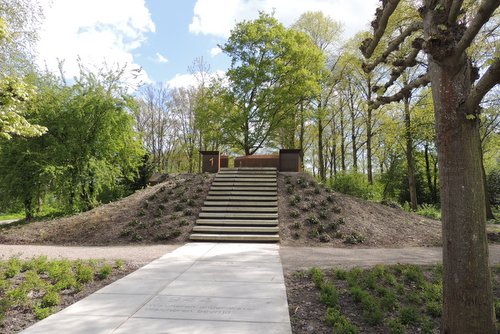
297	258
198	288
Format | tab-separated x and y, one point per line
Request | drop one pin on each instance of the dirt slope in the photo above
310	215
164	213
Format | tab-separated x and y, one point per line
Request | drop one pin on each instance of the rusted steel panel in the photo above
210	161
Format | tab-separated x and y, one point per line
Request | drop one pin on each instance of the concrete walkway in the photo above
198	288
297	258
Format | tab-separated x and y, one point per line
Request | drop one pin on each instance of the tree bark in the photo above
410	161
489	212
342	141
321	158
467	290
369	146
428	174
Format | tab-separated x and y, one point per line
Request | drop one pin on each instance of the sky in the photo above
164	37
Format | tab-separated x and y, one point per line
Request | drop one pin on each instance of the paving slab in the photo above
208	288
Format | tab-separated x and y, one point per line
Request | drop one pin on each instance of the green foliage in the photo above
317	276
340	323
493	183
430	211
272	69
355	184
409	315
396	327
51	298
104	271
329	295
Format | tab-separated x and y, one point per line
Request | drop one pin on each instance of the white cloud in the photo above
186	80
98	32
160	58
218	17
215	51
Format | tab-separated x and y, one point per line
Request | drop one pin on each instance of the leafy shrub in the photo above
178	207
340	274
296	226
317	276
84	273
294	213
41	312
354	238
323	237
493	181
396	327
330	198
312	220
104	271
340	323
323	214
119	263
429	211
329	294
51	298
13	267
355	184
435	309
188	212
409	315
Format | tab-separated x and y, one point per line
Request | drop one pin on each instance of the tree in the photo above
18	23
272	70
449	28
324	32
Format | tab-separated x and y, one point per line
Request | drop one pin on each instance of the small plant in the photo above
354	239
162	206
178	207
323	214
190	202
51	298
336	209
141	213
330	198
435	309
317	190
119	263
312	220
41	312
183	199
294	213
137	237
323	237
409	315
104	271
329	294
296	226
13	267
199	189
188	212
296	235
340	323
176	233
317	276
183	223
396	327
290	189
145	205
340	274
84	273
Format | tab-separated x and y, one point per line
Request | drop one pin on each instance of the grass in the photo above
11	216
36	287
389	299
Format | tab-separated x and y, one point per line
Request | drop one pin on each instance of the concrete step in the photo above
244	188
248	172
244	179
239	198
223	169
237	222
234	237
238	215
246	175
236	229
241	192
240	204
222	209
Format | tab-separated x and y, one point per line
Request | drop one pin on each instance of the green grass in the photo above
10	216
390	299
37	286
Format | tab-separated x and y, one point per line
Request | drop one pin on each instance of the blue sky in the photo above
163	37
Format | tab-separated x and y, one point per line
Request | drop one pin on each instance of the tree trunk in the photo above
409	156
369	145
430	184
353	142
28	208
301	134
321	160
342	142
467	290
489	212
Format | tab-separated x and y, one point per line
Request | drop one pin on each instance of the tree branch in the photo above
393	46
379	24
401	65
483	14
405	91
454	10
489	79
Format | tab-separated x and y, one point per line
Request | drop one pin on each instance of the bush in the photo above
104	271
340	323
317	276
354	239
409	315
355	184
493	181
51	298
84	273
329	295
429	211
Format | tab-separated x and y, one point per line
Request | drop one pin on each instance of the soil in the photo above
311	215
161	214
166	213
15	320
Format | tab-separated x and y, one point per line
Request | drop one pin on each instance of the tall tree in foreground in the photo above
272	70
449	28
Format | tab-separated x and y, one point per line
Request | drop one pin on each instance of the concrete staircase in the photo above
242	205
